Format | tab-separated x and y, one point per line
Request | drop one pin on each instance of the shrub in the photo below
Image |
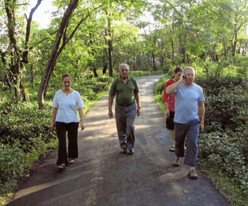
225	143
24	122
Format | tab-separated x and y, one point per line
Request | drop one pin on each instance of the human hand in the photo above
138	111
82	126
201	126
167	113
182	77
52	126
110	113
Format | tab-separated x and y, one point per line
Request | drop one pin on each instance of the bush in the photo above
227	153
226	103
24	122
225	143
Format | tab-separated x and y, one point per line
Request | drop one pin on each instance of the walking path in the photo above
101	176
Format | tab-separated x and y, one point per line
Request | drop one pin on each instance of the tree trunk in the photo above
172	49
18	54
32	75
95	73
154	67
105	67
7	81
55	52
110	48
234	45
24	92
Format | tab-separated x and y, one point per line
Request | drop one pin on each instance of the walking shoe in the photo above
124	151
172	149
192	174
130	151
177	162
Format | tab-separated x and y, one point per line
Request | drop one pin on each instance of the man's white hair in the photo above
191	68
123	64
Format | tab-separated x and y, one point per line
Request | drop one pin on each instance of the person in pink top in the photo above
169	103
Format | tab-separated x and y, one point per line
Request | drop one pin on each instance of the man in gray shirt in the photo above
189	118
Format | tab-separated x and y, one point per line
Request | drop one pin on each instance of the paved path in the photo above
102	176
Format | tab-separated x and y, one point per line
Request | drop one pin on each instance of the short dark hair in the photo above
178	69
66	75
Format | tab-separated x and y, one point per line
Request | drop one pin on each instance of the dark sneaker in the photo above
130	151
124	151
177	162
192	174
172	149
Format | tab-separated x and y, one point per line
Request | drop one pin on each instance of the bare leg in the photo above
172	134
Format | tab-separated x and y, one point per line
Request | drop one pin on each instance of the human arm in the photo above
110	103
53	118
137	98
201	111
167	112
81	114
171	88
165	99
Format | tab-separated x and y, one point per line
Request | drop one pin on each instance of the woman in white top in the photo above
65	104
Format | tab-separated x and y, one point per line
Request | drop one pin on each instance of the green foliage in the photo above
224	94
224	145
24	122
159	92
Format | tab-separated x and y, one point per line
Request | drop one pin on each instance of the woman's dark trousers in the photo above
72	130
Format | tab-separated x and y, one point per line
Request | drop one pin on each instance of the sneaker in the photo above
192	174
177	162
124	151
172	149
130	151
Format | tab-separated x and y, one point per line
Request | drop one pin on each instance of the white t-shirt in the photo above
67	106
186	103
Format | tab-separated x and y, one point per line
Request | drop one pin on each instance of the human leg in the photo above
172	134
131	114
61	134
180	134
170	127
192	148
72	141
121	126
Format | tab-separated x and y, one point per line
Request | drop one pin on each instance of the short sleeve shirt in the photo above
125	93
170	99
186	103
67	106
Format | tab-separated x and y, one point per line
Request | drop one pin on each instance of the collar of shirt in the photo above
119	79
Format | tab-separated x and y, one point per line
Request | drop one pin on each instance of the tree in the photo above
15	54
